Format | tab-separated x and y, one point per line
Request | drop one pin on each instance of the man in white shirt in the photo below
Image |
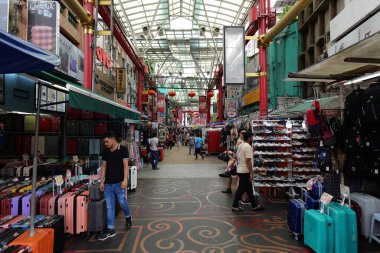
244	157
153	143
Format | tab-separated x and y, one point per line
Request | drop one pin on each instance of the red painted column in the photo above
263	81
208	109
221	96
88	51
140	90
153	112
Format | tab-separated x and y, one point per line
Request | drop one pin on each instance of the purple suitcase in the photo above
15	205
26	210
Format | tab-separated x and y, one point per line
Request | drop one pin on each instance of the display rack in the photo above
282	156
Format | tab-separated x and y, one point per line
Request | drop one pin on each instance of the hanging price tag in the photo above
80	170
344	190
68	174
326	198
59	180
75	159
309	185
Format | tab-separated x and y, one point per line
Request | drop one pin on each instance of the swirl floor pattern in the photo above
191	215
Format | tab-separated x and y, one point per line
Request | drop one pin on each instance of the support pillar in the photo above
220	102
208	109
263	80
153	112
139	91
166	109
88	50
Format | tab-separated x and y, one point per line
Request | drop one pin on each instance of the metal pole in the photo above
94	46
220	109
35	161
88	51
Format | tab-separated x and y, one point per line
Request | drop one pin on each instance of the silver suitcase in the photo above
132	184
369	205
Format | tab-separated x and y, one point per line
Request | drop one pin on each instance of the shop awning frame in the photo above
88	100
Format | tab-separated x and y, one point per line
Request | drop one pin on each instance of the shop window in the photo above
72	20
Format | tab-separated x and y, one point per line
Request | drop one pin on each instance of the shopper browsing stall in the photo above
114	181
153	142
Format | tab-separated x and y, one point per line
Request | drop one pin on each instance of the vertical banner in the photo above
231	107
202	104
234	91
4	15
72	59
160	102
121	80
43	24
234	55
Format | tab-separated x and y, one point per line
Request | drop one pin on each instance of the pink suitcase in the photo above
44	204
76	213
62	204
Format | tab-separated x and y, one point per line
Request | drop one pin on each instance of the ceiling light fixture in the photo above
363	78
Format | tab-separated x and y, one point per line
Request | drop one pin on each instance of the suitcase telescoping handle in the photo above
304	194
344	198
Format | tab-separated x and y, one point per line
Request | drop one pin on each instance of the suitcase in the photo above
41	242
45	125
6	206
27	144
15	206
83	147
30	123
19	145
55	124
369	205
100	128
319	231
72	128
72	147
312	203
132	179
97	215
345	228
10	222
41	144
43	204
26	222
95	193
52	145
318	189
94	146
9	235
72	113
87	128
26	205
296	210
55	222
76	214
84	114
61	207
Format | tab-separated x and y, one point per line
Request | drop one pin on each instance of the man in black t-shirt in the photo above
114	181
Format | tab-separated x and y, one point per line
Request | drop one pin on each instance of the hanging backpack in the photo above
372	139
352	138
313	118
371	104
353	105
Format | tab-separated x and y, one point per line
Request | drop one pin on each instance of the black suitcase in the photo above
72	128
57	223
87	128
9	235
354	103
83	147
97	215
51	145
95	193
371	104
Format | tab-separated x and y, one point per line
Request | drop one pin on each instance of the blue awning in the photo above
19	56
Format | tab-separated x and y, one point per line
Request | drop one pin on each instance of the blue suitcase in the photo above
312	203
318	231
345	228
318	189
296	209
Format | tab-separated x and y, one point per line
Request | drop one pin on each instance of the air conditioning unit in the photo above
160	30
146	30
202	31
216	31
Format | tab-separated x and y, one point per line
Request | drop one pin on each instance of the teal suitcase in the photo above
318	231
345	228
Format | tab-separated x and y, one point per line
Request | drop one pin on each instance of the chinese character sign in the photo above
202	104
234	91
160	102
231	107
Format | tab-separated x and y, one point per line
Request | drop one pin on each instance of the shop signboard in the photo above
103	84
4	15
51	98
234	91
50	95
251	97
43	24
160	102
202	104
61	97
234	55
231	107
121	80
72	59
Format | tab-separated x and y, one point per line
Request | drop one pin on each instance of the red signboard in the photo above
202	104
103	57
160	102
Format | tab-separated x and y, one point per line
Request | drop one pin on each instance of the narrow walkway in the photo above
191	215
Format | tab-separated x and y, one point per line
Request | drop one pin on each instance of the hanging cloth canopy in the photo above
19	56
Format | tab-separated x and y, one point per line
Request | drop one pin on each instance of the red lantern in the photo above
151	93
210	94
191	94
172	93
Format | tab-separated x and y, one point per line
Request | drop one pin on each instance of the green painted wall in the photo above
283	58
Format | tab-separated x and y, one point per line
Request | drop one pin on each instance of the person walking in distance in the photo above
154	151
191	144
198	147
114	181
244	157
